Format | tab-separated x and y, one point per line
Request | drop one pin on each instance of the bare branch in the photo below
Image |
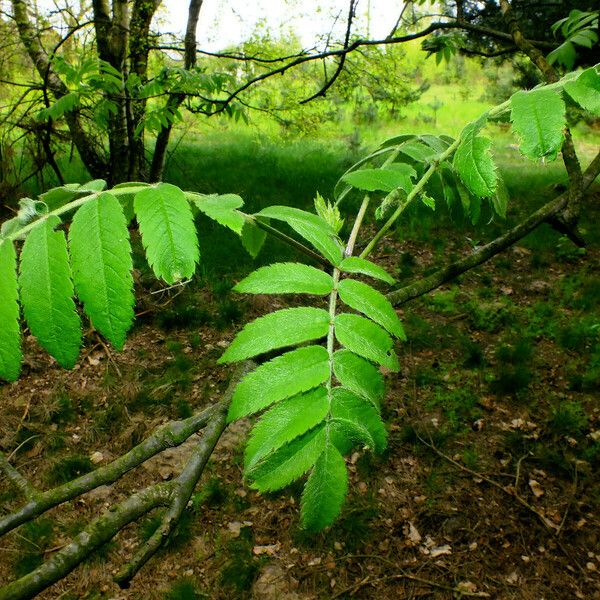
169	435
173	495
342	61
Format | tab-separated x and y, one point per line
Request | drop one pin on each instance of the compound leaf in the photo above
101	262
359	376
538	117
474	163
289	462
371	303
281	328
47	292
10	332
287	375
286	278
325	490
365	338
354	264
168	231
284	422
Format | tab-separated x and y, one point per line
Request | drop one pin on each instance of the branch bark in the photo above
173	495
169	435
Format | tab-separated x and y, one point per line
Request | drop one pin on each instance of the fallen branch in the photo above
173	495
169	435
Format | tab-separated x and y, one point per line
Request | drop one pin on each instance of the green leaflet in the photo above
47	292
253	238
284	422
325	490
286	278
126	199
101	262
538	117
168	232
371	303
366	339
311	227
289	462
384	180
359	376
287	375
222	209
474	163
281	328
353	264
10	331
585	90
361	415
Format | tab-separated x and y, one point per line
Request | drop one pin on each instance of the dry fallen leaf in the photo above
536	488
270	550
412	533
440	551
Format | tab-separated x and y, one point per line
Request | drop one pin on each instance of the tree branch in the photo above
342	61
98	533
185	483
303	58
169	435
174	495
449	272
565	221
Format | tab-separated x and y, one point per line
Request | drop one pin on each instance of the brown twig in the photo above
367	581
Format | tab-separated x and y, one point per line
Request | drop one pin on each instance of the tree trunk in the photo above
174	101
141	16
112	42
89	151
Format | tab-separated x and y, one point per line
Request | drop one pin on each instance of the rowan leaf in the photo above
382	180
585	90
325	490
367	339
286	278
101	263
284	422
47	292
278	329
347	406
289	462
284	376
10	331
359	376
538	118
371	303
168	231
474	163
311	227
253	238
354	264
222	209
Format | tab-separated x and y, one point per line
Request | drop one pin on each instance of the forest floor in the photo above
490	486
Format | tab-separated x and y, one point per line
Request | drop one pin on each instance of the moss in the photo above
69	468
